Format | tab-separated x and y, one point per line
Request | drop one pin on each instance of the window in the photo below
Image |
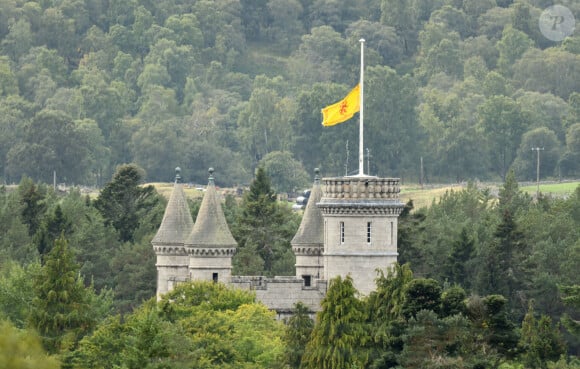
341	232
214	277
307	280
391	233
369	229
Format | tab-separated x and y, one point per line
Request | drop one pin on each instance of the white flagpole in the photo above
361	115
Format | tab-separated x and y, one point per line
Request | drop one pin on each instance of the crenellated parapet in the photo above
177	250
361	188
211	251
307	250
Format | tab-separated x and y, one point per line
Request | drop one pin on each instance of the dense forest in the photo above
117	93
469	86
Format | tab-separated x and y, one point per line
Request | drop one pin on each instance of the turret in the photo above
168	243
308	243
360	227
210	245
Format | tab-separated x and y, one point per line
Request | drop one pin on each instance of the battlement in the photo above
361	188
283	292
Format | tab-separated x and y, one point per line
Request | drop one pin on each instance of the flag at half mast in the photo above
342	110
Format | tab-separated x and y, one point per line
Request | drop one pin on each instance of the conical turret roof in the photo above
177	221
311	231
211	229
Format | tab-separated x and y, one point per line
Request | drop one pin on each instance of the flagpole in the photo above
361	115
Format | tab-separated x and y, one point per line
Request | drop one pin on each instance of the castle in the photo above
349	227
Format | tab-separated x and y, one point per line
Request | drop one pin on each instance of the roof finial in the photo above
177	175
210	170
316	176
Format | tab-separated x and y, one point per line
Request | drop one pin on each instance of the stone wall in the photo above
282	293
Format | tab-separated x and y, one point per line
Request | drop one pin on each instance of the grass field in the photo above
422	197
425	197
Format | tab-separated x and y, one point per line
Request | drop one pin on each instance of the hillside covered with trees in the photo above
469	86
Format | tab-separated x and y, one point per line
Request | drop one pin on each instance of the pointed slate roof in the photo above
311	231
211	229
177	221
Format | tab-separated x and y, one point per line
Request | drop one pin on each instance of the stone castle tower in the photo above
349	227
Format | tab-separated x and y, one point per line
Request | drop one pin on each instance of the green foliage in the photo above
16	292
123	202
421	294
263	231
63	310
20	349
540	342
298	330
339	335
199	324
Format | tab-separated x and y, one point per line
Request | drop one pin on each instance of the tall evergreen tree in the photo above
340	334
298	330
461	251
123	202
63	310
540	342
50	229
264	226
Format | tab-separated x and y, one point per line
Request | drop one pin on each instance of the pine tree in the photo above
298	331
340	334
62	308
123	202
50	230
264	226
571	298
540	342
461	251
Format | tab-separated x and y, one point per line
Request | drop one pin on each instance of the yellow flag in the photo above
342	110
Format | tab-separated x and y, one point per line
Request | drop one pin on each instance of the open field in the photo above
424	197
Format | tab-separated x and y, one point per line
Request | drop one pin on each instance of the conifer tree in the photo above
540	342
62	309
264	226
339	335
461	251
298	330
50	229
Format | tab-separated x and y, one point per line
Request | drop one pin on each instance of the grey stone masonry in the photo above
360	227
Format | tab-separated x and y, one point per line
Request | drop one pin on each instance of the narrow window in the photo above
369	229
214	277
307	280
391	233
341	232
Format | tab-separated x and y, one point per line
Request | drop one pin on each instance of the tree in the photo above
52	143
298	330
385	314
51	228
461	252
197	324
421	294
339	335
512	45
526	161
571	298
503	123
63	310
21	349
539	341
123	202
264	226
287	174
16	292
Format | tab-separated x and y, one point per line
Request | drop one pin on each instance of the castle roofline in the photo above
211	229
177	221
